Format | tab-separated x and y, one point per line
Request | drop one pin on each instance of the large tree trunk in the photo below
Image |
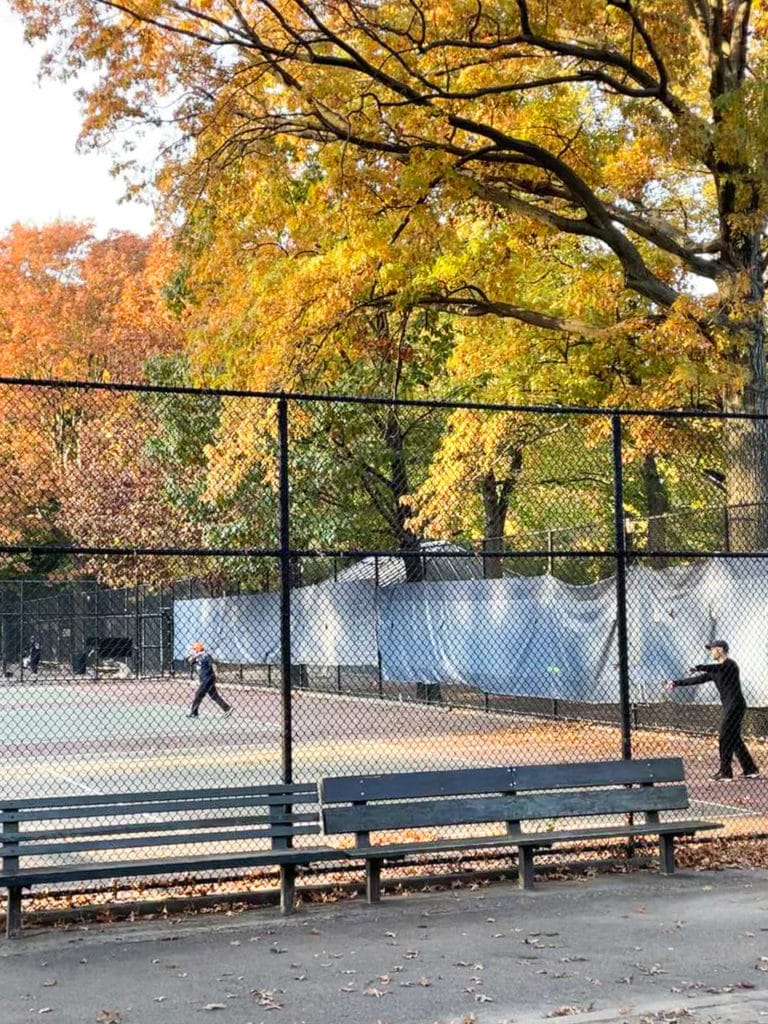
407	540
742	217
746	442
657	503
496	495
747	484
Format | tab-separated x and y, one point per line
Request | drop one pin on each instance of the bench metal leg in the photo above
525	867
287	888
13	914
667	855
373	880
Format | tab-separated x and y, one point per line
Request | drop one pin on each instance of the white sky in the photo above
42	177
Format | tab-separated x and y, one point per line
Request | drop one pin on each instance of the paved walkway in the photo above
640	949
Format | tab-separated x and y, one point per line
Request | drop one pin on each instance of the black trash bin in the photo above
79	661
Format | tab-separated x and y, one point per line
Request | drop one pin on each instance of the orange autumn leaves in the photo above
72	464
76	307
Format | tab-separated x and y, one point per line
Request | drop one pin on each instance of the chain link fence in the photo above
382	586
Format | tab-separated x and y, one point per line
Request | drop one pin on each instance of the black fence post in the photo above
21	632
338	667
170	631
376	585
97	628
239	591
286	577
137	627
621	588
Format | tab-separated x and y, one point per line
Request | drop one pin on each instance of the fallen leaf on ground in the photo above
266	999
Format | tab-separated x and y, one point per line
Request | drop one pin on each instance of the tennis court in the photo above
62	735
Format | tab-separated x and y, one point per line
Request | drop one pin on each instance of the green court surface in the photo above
134	734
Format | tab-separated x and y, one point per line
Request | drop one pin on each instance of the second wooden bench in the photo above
566	797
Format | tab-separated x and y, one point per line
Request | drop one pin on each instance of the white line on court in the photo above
76	783
742	811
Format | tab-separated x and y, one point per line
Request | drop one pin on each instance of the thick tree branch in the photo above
664	237
472	301
637	275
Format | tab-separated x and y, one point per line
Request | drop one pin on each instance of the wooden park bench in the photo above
564	796
45	841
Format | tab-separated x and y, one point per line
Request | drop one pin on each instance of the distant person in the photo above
724	673
206	675
35	654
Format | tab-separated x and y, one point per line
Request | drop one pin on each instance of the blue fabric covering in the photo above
524	636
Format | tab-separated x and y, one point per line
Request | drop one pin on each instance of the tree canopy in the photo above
498	201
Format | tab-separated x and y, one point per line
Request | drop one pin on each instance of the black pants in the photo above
731	742
208	688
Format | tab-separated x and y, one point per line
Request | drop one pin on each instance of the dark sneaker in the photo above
228	712
192	714
751	775
721	777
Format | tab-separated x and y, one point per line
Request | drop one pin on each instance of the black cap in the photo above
717	643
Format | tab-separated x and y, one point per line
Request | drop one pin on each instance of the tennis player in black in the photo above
724	673
206	675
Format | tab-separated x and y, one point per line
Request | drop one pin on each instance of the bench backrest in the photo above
45	826
362	804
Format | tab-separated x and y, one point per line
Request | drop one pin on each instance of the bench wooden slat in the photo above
475	810
599	773
127	828
400	850
678	828
308	789
186	865
413	785
465	781
129	809
128	842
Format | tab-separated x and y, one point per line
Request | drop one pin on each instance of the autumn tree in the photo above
113	494
278	298
635	128
76	307
285	259
73	306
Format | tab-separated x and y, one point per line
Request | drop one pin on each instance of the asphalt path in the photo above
635	949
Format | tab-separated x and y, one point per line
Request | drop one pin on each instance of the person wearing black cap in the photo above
724	673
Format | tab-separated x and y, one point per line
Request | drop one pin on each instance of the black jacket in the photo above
205	670
725	676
